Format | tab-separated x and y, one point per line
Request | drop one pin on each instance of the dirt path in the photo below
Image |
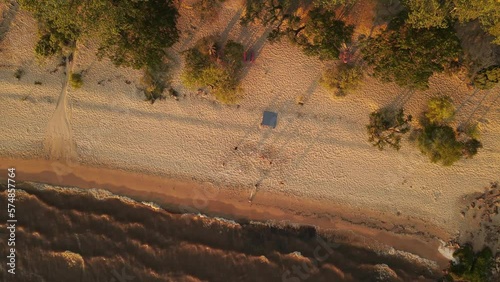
58	143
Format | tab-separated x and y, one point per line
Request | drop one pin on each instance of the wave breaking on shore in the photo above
94	235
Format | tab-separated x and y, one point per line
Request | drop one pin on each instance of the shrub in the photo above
153	82
75	80
471	147
342	79
46	47
19	73
318	31
487	78
207	9
440	110
204	68
439	143
473	267
233	54
386	127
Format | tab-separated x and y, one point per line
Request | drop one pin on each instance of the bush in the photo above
207	9
205	69
470	266
440	110
319	31
233	54
471	148
46	47
386	127
75	80
19	73
439	143
342	79
153	82
487	78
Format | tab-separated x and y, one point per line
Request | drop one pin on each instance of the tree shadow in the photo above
400	101
8	16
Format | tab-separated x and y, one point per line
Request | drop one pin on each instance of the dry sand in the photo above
319	151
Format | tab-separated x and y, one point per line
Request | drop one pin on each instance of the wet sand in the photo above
189	196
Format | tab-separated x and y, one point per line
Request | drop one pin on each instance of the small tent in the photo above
269	119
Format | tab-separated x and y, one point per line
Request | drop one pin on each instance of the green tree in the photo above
322	35
442	13
267	12
410	56
440	110
439	143
132	33
138	32
427	13
319	32
332	4
386	128
486	11
487	78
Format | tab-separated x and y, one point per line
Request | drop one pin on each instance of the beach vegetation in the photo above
76	81
19	73
332	4
322	35
440	144
318	31
443	13
440	110
218	70
487	78
439	141
470	266
410	56
132	33
342	79
208	10
387	126
153	84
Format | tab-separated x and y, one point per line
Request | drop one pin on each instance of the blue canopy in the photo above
269	119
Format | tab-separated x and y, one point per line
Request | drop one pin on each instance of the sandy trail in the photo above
58	143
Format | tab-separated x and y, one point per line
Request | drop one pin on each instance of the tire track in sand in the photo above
58	143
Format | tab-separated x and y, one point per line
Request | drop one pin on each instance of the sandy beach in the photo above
316	167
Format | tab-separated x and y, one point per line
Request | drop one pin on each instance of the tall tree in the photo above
410	56
439	13
132	33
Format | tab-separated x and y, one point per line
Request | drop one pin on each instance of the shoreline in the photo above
187	196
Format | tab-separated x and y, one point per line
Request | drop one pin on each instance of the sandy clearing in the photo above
319	150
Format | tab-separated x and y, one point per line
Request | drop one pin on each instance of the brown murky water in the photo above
88	235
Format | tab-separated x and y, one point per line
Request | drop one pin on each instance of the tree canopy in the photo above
440	13
205	67
487	78
318	32
410	56
132	33
439	143
387	127
440	110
